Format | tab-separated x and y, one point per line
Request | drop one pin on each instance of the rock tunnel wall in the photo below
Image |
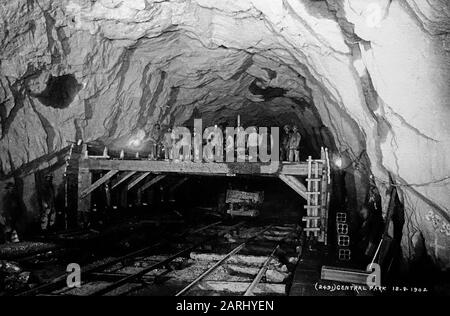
365	78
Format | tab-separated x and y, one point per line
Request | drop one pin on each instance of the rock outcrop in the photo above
368	79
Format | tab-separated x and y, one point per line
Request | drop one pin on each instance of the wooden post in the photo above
84	152
124	198
323	198
84	181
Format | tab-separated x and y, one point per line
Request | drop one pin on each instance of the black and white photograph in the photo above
224	155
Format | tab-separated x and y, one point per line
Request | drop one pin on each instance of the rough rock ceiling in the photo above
358	76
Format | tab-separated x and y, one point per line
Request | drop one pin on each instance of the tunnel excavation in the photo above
207	148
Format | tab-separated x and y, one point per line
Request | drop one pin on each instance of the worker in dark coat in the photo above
9	214
294	145
369	233
168	145
157	143
48	216
284	148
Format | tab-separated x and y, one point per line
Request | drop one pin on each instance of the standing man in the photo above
294	145
369	233
10	216
167	143
284	155
156	139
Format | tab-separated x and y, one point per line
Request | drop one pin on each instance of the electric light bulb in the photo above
338	162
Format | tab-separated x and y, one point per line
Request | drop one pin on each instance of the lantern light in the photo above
338	162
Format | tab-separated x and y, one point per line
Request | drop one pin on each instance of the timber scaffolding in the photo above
124	175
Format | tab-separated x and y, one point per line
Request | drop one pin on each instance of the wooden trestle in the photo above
142	174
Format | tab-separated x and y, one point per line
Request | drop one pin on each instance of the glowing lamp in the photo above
135	142
338	162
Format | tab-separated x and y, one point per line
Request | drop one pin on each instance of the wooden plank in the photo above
311	229
240	287
307	218
84	205
152	182
235	196
177	185
295	184
237	168
344	275
124	178
137	180
98	183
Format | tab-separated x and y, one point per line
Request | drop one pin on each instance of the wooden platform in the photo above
212	169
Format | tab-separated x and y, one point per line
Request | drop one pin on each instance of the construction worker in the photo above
294	145
168	145
48	216
369	233
184	142
10	214
284	148
156	141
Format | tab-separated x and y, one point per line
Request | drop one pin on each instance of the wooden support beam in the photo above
344	275
240	287
123	198
212	169
98	183
151	182
177	185
124	178
84	205
295	184
137	180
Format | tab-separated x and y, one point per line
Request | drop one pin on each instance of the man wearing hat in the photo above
294	145
48	216
9	214
168	144
284	148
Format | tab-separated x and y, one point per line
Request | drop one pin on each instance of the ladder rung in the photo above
312	206
315	180
312	193
306	218
311	229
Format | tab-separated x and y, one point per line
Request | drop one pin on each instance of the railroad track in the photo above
60	282
109	278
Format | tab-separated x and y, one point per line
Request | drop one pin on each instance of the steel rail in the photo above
261	273
220	262
58	281
131	277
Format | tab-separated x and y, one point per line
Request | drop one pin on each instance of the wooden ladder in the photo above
317	198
